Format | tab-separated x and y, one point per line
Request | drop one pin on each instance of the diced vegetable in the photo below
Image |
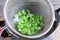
28	23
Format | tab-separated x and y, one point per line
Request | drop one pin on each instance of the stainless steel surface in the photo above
41	7
56	4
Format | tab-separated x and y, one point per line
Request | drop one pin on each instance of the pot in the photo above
41	7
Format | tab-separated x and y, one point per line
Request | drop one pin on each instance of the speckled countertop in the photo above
53	36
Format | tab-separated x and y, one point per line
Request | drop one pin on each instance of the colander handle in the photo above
2	29
58	14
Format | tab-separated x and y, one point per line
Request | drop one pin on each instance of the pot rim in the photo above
5	16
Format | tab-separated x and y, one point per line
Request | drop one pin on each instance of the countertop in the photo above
57	33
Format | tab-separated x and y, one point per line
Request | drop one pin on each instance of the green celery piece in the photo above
41	24
23	12
23	31
23	17
31	22
32	19
19	13
29	32
20	26
28	11
38	22
38	28
29	25
32	31
19	30
30	15
41	18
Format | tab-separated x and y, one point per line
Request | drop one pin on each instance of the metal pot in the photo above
41	7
